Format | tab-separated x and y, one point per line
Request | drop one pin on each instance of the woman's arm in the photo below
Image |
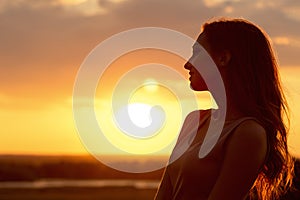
245	153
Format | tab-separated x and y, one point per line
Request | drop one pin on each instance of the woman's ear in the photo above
224	58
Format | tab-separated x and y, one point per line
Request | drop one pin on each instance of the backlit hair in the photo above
254	85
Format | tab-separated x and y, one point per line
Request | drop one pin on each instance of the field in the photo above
33	170
112	193
30	168
24	169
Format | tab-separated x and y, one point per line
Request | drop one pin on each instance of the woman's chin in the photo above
198	87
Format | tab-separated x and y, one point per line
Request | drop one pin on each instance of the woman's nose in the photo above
188	65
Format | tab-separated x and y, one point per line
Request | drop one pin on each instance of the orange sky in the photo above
43	45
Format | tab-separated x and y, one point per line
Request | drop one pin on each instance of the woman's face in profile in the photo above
197	60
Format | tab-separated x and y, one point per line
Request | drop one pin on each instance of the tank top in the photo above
187	177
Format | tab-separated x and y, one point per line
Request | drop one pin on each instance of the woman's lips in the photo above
191	74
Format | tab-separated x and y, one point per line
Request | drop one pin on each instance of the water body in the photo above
40	184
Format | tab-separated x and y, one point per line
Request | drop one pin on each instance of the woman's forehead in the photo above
202	42
201	37
199	42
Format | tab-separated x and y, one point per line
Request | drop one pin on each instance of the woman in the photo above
251	158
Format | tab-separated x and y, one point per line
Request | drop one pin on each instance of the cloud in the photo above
292	13
43	43
281	40
87	8
214	3
83	7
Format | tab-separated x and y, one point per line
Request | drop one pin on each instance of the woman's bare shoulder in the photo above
244	156
249	139
250	131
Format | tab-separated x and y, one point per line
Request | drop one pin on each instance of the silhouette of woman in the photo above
250	159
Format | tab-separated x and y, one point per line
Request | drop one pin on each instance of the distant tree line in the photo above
36	167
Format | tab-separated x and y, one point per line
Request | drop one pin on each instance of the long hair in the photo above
253	82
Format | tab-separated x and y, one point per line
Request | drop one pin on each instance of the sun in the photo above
139	114
148	122
139	120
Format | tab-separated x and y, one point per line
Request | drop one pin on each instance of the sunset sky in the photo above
44	42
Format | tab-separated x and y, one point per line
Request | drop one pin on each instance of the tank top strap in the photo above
229	128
